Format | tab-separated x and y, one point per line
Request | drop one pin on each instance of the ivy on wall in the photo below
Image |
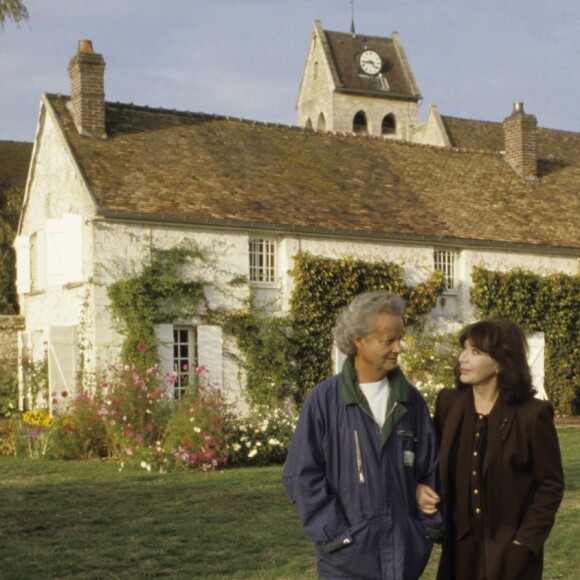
323	287
158	294
549	304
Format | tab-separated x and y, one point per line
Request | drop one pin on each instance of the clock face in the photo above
370	62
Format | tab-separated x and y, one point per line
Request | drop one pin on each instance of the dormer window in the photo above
383	83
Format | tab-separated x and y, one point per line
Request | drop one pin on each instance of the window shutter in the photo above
164	335
73	248
62	358
55	258
22	247
536	362
24	349
209	350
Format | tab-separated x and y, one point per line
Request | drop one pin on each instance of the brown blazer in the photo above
523	483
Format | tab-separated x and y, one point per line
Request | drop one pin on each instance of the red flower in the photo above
149	427
67	428
64	394
142	347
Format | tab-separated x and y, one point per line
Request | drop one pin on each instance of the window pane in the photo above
262	254
446	262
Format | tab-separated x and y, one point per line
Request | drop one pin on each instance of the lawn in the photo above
90	520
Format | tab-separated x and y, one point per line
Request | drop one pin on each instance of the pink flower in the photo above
149	427
142	347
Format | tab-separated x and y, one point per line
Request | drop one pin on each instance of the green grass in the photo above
89	520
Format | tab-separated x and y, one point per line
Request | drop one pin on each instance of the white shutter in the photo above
338	357
62	359
73	248
22	247
39	273
164	335
536	362
209	350
24	349
55	257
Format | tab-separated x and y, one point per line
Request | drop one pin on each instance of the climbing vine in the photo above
325	286
550	304
156	295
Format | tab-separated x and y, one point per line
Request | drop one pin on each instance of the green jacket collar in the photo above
399	394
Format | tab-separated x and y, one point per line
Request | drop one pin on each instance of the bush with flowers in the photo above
429	359
33	433
262	437
196	435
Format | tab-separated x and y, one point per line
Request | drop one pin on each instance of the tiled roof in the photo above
345	47
160	164
14	161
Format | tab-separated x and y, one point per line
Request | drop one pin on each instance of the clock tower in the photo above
363	84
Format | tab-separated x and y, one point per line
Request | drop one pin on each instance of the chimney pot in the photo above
86	46
518	108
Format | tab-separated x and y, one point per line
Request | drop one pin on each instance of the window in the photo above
184	359
359	123
389	125
262	260
321	125
383	83
447	262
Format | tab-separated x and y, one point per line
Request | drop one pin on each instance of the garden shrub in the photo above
262	437
429	359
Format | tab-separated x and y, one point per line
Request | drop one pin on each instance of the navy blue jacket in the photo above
354	483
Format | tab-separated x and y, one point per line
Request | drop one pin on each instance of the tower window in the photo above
389	125
359	123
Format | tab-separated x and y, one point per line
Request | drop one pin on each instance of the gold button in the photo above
481	416
477	434
477	511
474	473
475	454
476	491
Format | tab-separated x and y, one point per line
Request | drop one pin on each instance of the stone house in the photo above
109	181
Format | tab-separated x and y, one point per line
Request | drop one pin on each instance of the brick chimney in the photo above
520	142
87	104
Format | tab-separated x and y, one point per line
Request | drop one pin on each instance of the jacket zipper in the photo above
359	464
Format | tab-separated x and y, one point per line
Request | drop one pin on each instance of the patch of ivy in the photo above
158	294
549	304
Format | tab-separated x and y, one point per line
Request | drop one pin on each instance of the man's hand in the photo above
427	500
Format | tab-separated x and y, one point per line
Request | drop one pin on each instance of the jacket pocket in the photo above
407	440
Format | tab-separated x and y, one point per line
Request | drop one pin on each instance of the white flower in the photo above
197	429
273	442
146	465
236	446
253	453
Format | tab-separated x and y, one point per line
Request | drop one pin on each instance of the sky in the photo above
244	58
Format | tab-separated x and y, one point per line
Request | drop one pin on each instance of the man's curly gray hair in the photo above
355	320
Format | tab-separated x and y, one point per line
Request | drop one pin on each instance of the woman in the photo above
501	471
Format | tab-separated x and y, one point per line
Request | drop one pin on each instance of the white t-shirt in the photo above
377	394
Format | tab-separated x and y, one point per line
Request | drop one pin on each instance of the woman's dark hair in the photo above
505	342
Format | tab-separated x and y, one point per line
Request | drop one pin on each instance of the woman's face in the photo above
476	367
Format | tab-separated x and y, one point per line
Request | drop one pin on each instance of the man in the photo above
363	442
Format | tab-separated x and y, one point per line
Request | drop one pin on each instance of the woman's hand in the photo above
427	500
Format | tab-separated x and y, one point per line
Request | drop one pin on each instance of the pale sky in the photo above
244	58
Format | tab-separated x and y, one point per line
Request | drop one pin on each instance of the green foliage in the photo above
10	203
268	355
35	379
550	304
429	359
325	286
262	437
8	388
157	295
12	10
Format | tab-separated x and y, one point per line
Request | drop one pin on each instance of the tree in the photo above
12	10
10	203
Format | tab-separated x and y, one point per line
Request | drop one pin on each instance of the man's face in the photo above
378	352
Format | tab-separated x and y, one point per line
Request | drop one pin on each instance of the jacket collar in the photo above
399	394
